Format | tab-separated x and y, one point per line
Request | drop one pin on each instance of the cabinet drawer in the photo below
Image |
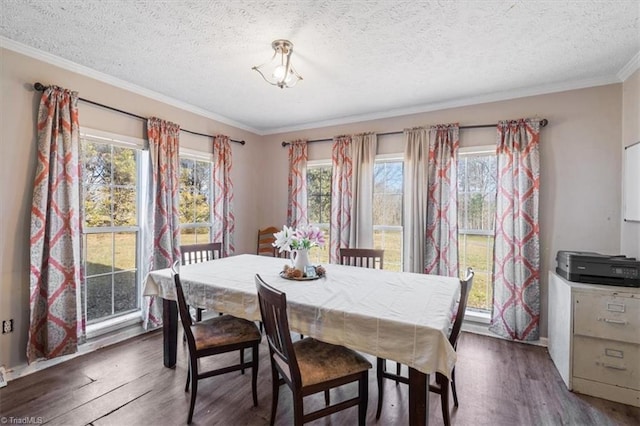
607	315
607	361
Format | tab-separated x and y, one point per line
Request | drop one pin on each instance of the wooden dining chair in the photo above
214	336
308	366
366	258
265	243
196	253
441	385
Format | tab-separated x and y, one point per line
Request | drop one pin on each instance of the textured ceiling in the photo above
358	58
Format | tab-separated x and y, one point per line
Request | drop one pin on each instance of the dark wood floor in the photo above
499	383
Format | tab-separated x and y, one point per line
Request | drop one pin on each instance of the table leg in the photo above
170	331
418	398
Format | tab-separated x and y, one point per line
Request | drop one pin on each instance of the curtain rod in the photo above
40	88
543	123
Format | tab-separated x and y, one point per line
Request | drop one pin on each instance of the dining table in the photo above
398	316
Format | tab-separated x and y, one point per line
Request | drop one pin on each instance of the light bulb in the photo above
278	72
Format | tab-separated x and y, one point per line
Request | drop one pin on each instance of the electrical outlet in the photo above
7	326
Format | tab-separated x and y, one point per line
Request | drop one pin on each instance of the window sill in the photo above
113	324
477	317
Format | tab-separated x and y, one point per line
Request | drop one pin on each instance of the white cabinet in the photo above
594	338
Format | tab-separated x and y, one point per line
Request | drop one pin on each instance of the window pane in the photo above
387	212
124	166
203	235
378	209
99	251
195	235
319	206
187	236
99	297
325	212
314	203
96	163
476	217
97	206
110	188
124	207
393	209
195	201
125	251
201	205
125	298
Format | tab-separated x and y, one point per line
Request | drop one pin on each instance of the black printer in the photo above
595	268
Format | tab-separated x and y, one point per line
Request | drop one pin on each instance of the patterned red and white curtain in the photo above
163	217
441	250
341	196
56	318
297	202
516	298
224	221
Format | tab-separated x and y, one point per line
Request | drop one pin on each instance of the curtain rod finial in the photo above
39	87
284	144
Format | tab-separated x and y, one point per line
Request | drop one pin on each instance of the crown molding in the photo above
476	100
114	81
632	66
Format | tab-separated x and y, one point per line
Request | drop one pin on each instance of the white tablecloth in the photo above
399	316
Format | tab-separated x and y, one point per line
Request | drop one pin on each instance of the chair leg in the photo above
298	409
363	394
242	361
398	370
327	398
380	368
186	388
199	314
194	391
444	397
275	390
453	387
254	374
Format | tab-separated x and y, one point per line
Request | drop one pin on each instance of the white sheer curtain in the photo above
364	148
416	172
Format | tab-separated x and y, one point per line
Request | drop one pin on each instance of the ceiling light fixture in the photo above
279	69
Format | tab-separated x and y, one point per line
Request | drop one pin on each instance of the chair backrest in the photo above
265	242
465	289
366	258
183	309
273	308
196	253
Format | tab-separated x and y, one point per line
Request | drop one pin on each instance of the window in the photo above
195	200
387	210
477	175
319	205
111	232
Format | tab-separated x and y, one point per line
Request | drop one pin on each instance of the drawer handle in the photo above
615	307
613	321
614	367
